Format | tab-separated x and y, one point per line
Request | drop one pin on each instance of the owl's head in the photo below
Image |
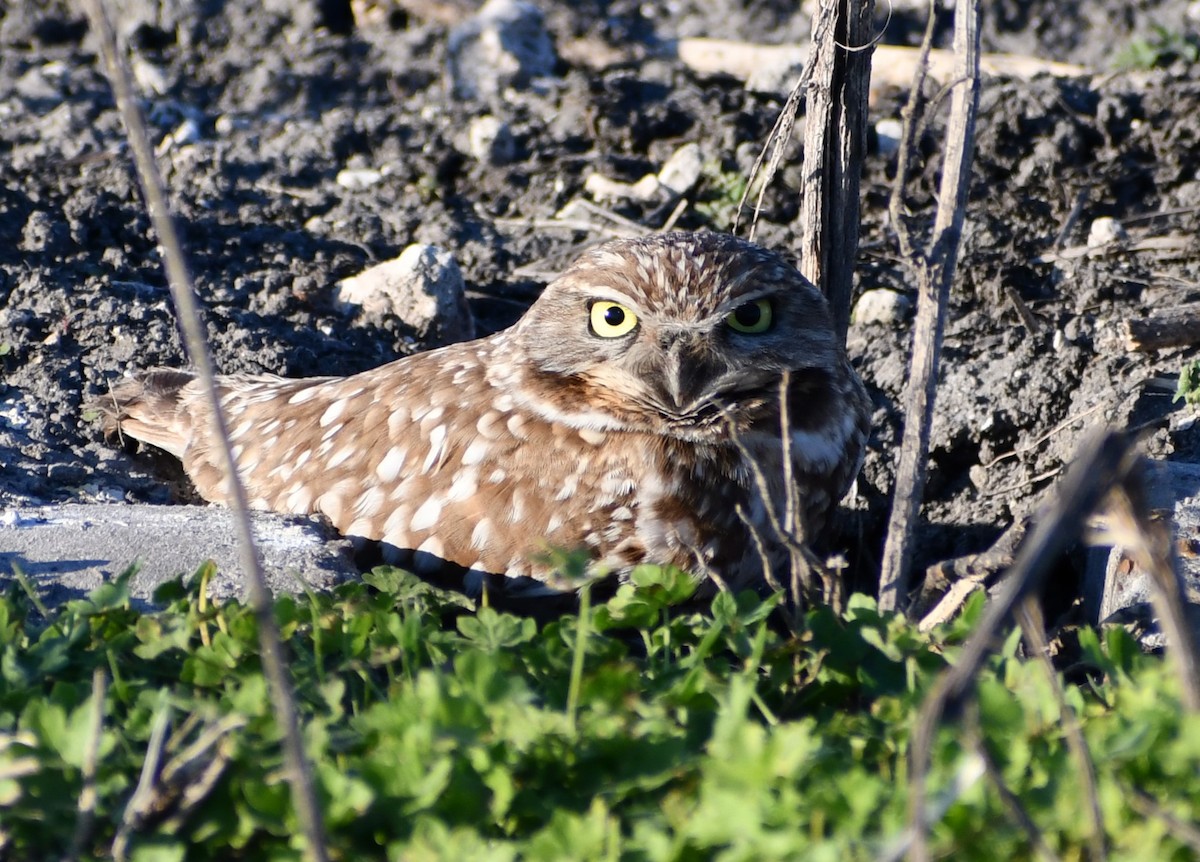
666	333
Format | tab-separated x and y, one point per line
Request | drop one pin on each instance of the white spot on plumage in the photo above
332	505
590	435
434	415
370	503
389	468
398	422
481	536
516	426
395	528
820	450
437	448
299	498
427	515
616	483
332	412
464	486
497	476
434	547
243	426
306	394
475	452
341	456
489	425
332	431
569	489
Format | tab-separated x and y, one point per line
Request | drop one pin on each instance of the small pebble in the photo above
1105	230
682	170
881	306
888	133
490	141
357	179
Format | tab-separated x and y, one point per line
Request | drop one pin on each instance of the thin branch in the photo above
935	273
1033	628
179	280
1104	463
1010	800
87	793
1146	805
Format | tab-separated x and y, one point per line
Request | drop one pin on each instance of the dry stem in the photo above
179	281
934	269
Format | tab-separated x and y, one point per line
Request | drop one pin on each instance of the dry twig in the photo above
1104	463
935	271
1009	799
1033	629
179	281
87	794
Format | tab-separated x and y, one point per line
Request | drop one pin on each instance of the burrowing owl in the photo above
631	412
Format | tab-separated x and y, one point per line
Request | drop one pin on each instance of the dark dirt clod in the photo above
258	110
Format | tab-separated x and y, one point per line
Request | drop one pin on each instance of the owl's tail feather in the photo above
148	408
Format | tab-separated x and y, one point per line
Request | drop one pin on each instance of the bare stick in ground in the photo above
179	280
934	269
835	134
1033	629
834	84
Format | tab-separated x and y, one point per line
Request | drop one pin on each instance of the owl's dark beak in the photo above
687	371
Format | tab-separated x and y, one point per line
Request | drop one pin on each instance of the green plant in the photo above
652	728
1188	388
1160	48
720	193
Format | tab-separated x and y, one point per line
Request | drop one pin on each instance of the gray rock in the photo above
422	287
69	550
490	141
881	306
504	45
1113	583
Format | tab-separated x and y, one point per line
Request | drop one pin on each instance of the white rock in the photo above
422	287
676	177
889	132
1105	230
881	306
490	141
504	45
357	179
187	132
682	170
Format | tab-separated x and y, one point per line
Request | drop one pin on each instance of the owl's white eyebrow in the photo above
752	296
609	295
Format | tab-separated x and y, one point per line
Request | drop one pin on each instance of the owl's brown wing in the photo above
426	455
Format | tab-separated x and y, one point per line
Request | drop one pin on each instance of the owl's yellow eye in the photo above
751	318
611	319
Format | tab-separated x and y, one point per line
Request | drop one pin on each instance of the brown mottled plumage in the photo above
608	418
